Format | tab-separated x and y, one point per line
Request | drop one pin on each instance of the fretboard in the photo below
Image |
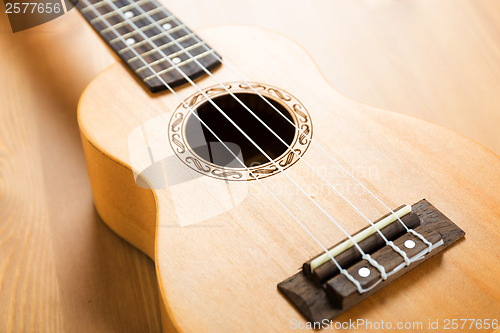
153	43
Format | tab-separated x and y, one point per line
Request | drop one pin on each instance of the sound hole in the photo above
208	147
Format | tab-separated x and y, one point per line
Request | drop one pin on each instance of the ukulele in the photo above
269	201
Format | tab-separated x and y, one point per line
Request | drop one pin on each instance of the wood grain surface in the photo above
226	243
62	269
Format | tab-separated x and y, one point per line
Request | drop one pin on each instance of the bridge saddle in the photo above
321	291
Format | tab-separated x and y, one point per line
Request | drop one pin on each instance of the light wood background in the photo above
62	269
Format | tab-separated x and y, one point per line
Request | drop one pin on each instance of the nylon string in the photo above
365	256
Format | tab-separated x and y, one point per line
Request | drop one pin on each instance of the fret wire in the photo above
109	11
134	19
146	28
185	62
183	38
112	13
94	6
166	12
171	56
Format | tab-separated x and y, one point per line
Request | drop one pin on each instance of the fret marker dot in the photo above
409	244
129	14
364	272
176	60
130	41
167	26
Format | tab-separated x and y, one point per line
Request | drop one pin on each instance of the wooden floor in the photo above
62	269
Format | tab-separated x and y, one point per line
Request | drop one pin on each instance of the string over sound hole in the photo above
249	140
241	131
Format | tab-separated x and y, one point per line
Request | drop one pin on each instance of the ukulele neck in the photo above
156	46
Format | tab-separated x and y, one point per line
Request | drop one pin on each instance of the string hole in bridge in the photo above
364	272
409	244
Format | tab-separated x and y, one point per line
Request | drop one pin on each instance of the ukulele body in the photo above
220	271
